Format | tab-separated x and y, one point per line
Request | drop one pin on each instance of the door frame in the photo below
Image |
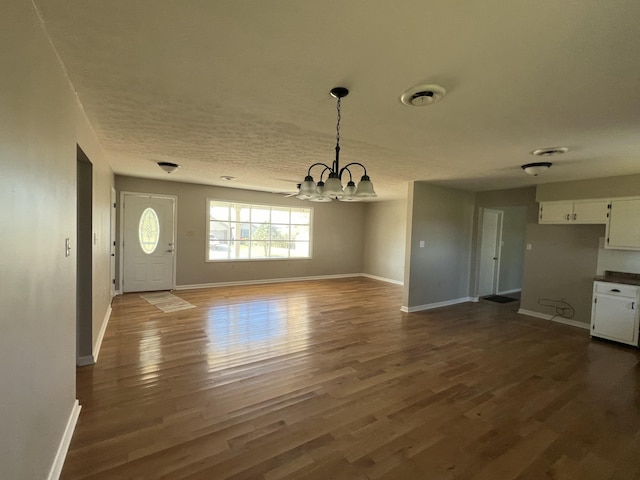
496	276
121	233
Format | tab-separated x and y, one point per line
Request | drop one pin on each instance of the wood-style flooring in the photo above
329	380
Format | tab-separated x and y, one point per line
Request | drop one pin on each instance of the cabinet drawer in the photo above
617	289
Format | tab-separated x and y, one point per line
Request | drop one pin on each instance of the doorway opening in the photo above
84	262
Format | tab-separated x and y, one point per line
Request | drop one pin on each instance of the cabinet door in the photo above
590	212
624	225
614	318
555	212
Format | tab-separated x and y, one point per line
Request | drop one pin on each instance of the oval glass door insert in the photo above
149	230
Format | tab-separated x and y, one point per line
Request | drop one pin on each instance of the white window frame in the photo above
261	206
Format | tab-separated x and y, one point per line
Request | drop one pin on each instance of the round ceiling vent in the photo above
547	152
423	95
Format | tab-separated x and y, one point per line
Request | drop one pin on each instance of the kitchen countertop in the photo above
619	277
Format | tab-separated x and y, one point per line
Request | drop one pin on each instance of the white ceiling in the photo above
241	88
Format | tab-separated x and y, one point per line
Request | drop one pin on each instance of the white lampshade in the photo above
307	188
320	198
333	186
365	188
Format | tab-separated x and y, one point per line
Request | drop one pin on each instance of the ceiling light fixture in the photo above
325	191
536	168
228	178
168	166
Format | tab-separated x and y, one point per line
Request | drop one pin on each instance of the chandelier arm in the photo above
315	165
346	167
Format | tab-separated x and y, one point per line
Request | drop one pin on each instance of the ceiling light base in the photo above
536	168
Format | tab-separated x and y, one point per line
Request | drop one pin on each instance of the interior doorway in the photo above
84	260
490	244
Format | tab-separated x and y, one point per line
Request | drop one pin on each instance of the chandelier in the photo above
330	184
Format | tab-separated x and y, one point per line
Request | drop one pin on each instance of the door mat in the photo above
499	299
167	302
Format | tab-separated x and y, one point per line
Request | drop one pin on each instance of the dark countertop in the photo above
619	277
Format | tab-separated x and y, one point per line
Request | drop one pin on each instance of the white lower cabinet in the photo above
614	315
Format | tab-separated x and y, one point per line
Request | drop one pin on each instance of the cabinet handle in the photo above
568	216
633	305
615	290
575	216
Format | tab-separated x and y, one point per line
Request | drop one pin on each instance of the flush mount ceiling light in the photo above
168	166
228	178
423	95
536	168
326	191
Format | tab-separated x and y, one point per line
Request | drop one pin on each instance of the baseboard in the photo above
85	360
96	347
382	279
267	280
63	448
430	306
507	292
546	316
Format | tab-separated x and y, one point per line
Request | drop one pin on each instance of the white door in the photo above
149	243
491	236
112	242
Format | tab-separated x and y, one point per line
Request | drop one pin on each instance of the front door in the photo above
149	243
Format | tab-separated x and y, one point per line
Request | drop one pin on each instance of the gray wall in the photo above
40	125
561	266
443	219
385	238
338	234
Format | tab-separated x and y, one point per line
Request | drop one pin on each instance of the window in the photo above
149	230
240	231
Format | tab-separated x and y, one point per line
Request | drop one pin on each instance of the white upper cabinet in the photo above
578	212
623	229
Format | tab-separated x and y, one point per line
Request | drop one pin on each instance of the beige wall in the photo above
338	234
443	219
40	121
609	187
385	236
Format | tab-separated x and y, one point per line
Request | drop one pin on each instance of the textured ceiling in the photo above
240	88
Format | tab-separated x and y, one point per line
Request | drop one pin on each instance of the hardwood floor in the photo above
329	380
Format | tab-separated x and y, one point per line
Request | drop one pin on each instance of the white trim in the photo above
118	292
63	448
120	287
506	292
429	306
382	279
96	347
554	318
266	280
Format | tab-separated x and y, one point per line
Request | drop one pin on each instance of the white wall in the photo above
39	127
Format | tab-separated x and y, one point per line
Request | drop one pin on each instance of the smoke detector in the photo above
423	95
